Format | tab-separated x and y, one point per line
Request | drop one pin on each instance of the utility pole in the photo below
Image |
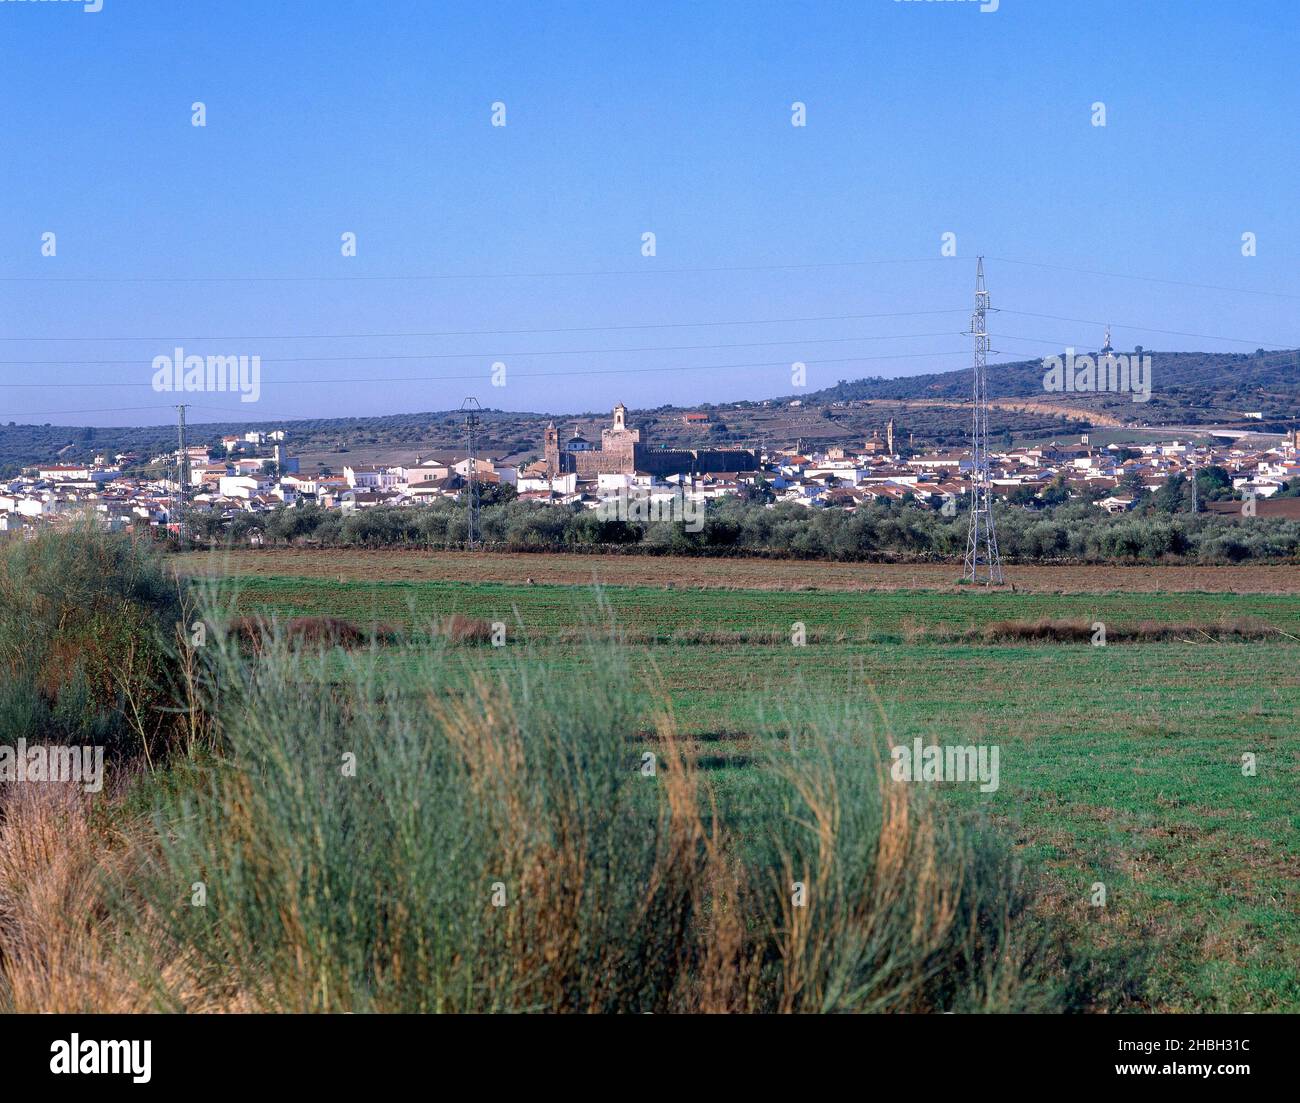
183	474
472	423
982	542
1196	491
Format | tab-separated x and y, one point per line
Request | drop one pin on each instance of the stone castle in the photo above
622	452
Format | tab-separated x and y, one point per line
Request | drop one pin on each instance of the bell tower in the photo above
551	450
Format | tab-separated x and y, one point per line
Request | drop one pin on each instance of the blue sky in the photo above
922	118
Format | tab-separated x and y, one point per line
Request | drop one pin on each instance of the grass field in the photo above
393	565
1119	764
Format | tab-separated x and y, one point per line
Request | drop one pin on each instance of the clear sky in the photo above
673	118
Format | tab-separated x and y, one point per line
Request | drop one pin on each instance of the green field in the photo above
662	612
1119	764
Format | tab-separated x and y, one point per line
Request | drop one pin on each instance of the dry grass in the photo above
684	915
1147	631
54	946
311	631
623	892
461	629
361	565
66	942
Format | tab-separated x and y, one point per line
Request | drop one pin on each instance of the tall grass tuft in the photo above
87	620
60	925
422	828
907	905
495	848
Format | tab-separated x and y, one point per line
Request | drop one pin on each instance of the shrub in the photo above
87	624
461	629
406	833
908	907
313	631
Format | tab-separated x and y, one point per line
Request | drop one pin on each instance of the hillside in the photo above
1186	387
1195	388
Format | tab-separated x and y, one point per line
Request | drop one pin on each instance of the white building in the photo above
242	486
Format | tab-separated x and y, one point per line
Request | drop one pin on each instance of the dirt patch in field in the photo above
1064	631
354	565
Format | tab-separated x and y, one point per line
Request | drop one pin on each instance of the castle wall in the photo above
590	464
680	461
725	459
622	453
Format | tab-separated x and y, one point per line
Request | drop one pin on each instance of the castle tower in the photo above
621	446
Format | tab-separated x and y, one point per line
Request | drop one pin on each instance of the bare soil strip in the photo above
547	569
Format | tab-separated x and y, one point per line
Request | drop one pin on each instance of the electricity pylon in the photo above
472	423
182	474
983	563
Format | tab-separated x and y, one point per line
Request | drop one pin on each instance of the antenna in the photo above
982	543
472	423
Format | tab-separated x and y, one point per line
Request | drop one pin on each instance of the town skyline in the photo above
491	206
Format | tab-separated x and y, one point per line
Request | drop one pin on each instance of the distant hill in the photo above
1197	388
1218	384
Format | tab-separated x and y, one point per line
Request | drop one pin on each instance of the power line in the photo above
526	375
499	355
97	410
510	332
1275	357
647	270
1151	329
1147	279
633	326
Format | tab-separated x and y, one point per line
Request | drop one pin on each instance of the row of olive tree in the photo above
1073	531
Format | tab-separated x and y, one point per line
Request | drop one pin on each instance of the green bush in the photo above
87	621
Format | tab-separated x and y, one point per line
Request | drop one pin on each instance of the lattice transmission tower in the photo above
472	422
983	563
182	474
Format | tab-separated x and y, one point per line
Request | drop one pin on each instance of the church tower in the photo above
889	436
620	416
551	451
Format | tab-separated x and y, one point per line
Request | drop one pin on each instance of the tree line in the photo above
1073	530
